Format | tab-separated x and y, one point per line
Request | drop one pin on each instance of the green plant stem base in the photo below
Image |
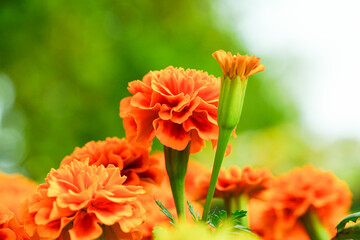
176	163
314	227
224	135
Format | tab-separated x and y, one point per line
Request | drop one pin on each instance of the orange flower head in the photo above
14	188
79	201
296	193
175	105
246	181
241	65
133	161
10	229
234	182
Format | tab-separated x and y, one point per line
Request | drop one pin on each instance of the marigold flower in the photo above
14	188
236	187
175	105
10	229
133	161
294	195
234	182
79	200
243	66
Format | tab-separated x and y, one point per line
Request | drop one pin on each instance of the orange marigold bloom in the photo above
10	229
243	66
296	193
14	188
175	105
234	182
133	161
77	200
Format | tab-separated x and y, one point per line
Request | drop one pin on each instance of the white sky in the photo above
314	48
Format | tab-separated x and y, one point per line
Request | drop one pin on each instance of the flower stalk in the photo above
236	70
314	227
223	139
232	93
243	205
176	163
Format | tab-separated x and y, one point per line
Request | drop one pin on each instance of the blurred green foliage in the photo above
70	63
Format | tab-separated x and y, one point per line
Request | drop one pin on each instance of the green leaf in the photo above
242	228
352	217
214	220
352	232
195	216
223	215
165	211
238	214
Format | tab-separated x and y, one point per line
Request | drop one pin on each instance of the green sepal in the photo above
231	100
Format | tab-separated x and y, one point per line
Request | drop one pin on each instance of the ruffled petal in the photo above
85	227
172	134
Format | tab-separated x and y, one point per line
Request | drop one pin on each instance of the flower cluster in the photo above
81	201
106	189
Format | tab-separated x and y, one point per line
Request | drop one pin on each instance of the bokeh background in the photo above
64	67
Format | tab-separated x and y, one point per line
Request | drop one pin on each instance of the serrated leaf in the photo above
195	216
352	217
217	221
223	215
214	220
238	214
352	232
165	211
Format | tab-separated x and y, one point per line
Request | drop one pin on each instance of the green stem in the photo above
243	205
227	204
224	135
314	227
176	166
